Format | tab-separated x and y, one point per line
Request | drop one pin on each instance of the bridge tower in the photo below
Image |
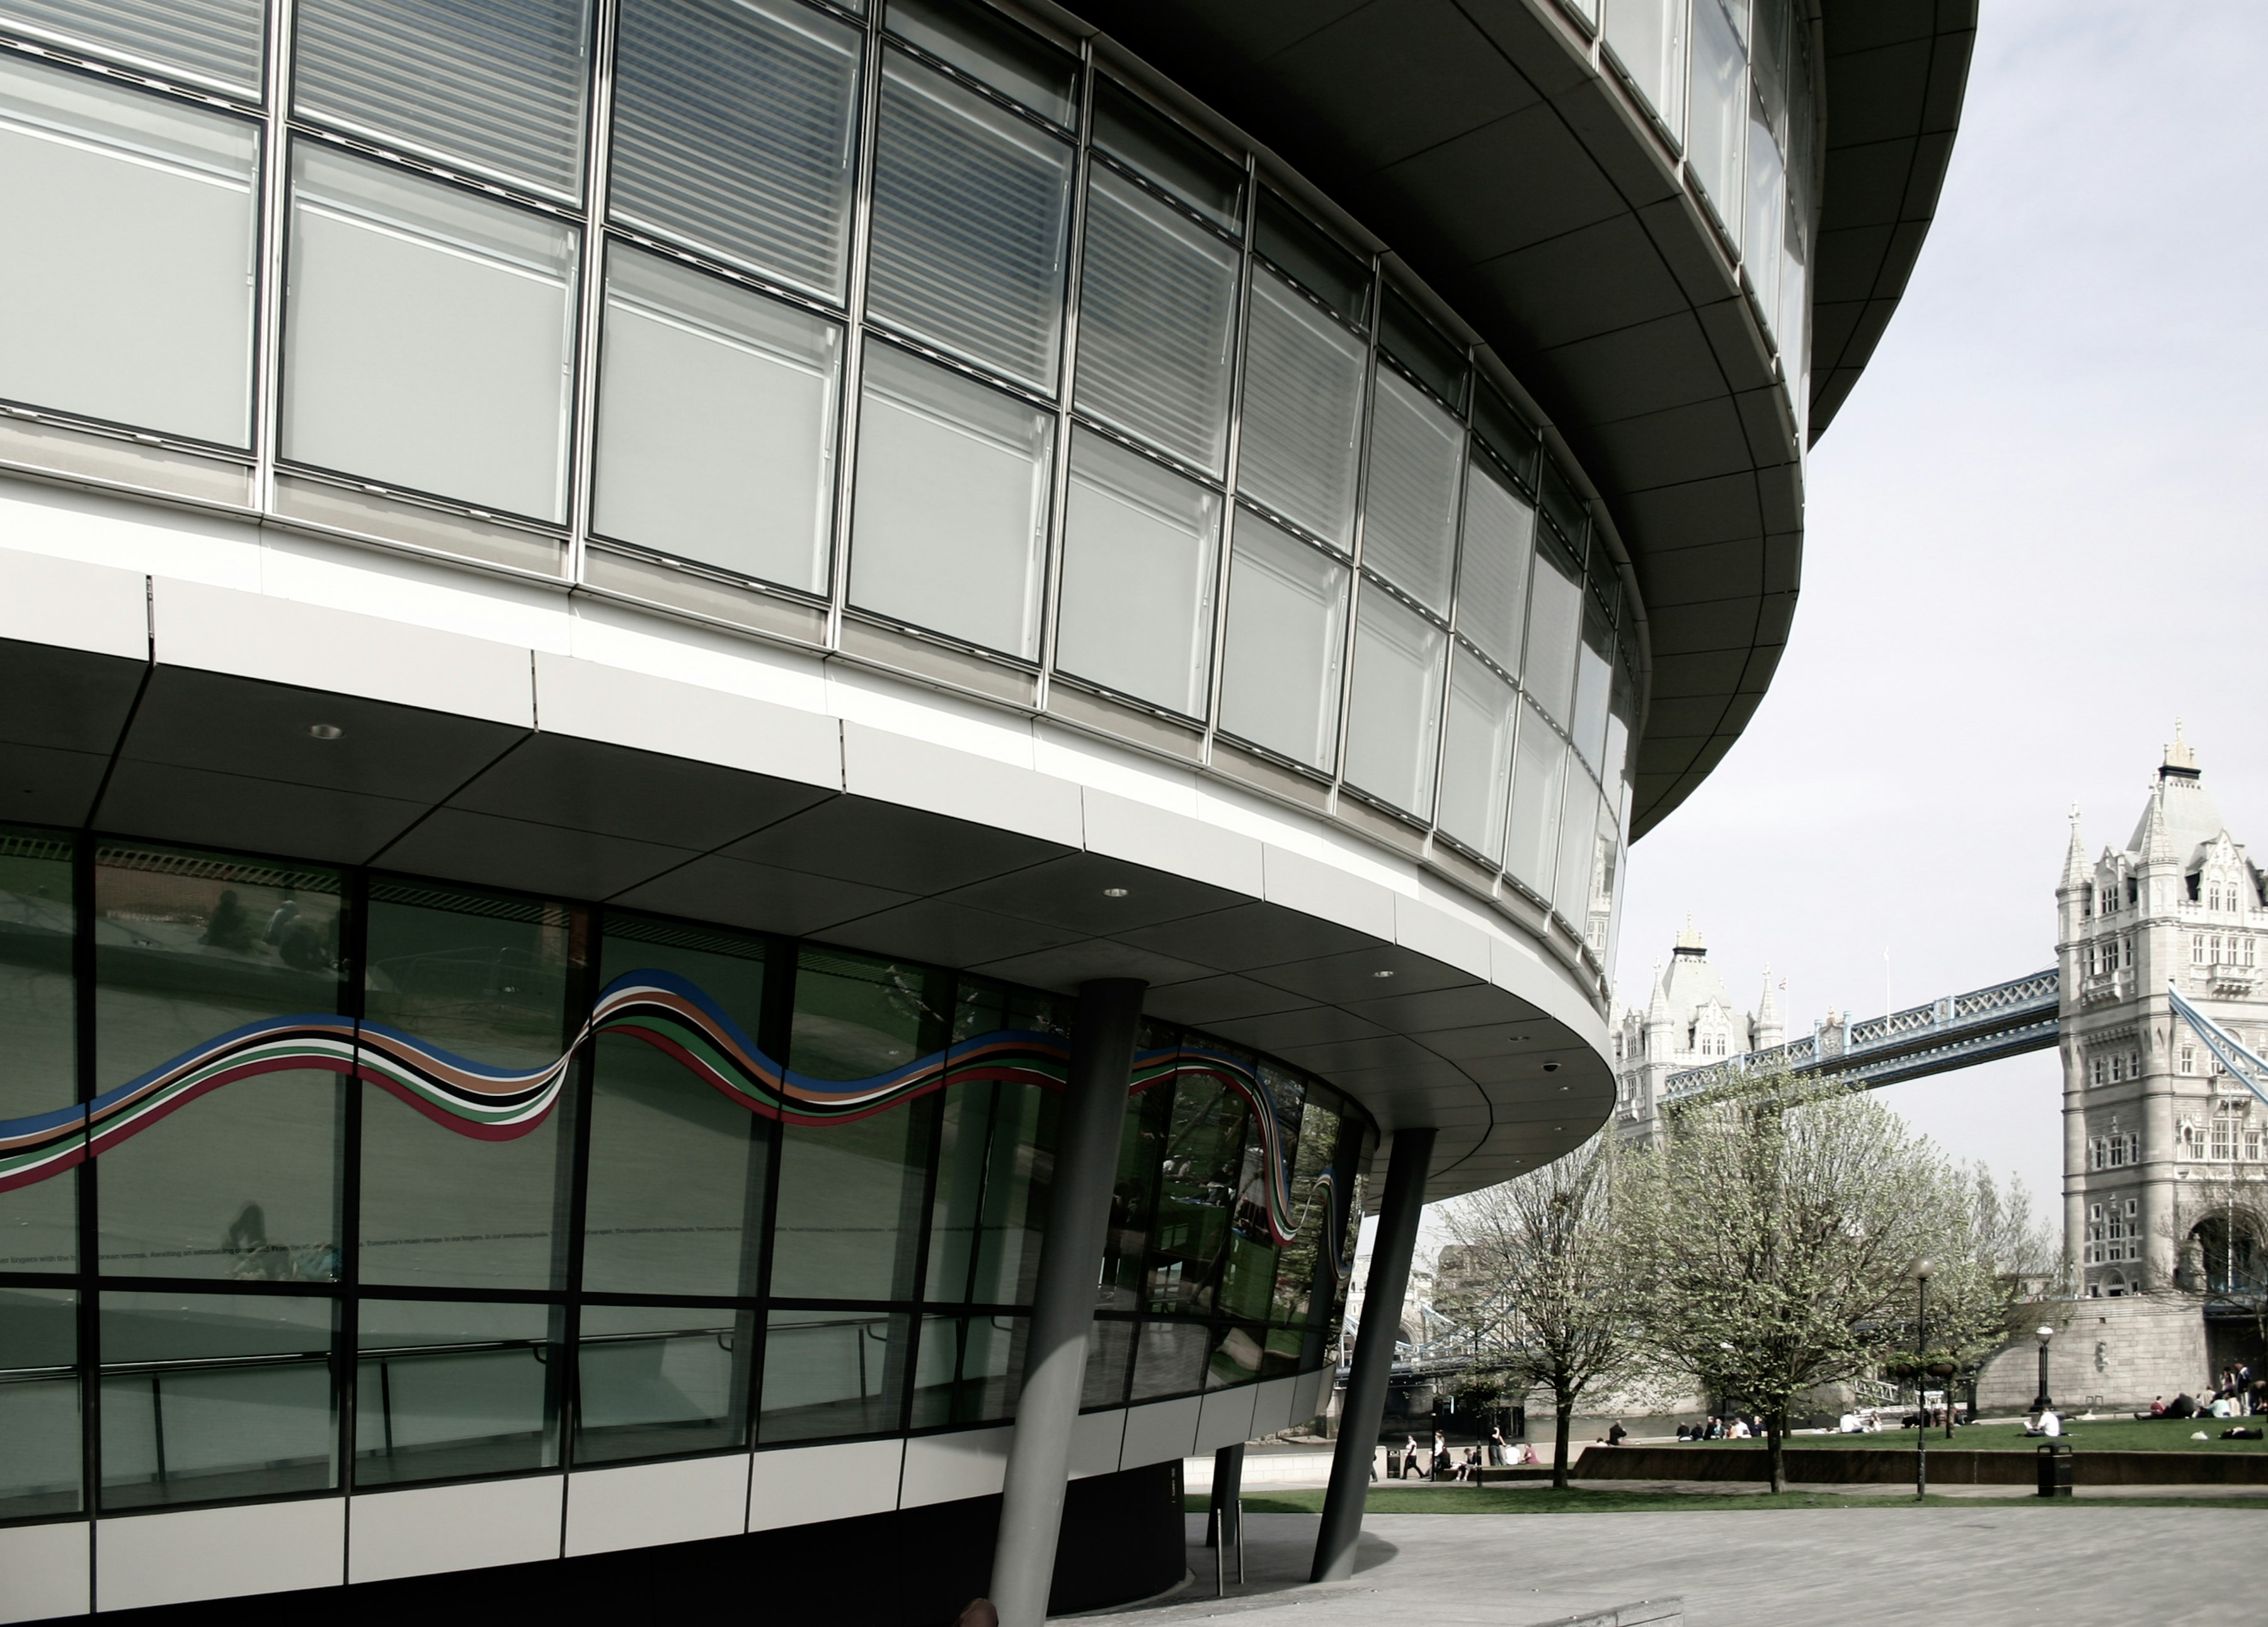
2165	1156
1687	1022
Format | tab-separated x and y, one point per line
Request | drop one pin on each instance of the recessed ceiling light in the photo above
1114	892
325	731
1382	974
1551	1067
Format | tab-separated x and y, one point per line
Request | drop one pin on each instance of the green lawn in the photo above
1588	1500
2117	1435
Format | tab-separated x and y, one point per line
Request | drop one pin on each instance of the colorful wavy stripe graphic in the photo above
663	1010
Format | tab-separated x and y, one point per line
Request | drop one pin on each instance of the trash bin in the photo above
2054	1469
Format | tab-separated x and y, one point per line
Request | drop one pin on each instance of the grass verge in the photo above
1593	1500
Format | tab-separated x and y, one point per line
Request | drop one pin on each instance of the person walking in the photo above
1409	1456
1438	1466
1497	1447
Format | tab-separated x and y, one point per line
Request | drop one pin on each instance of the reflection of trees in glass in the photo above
858	1015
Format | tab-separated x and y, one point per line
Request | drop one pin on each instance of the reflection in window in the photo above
1578	849
452	1391
1157	322
143	212
1409	513
1593	664
1718	118
1393	720
1201	1177
676	1198
1492	568
1767	200
657	1381
829	1373
43	1466
1532	844
484	977
1648	39
969	1370
1476	757
213	42
950	520
1287	624
971	227
211	1398
1554	611
996	1157
498	85
1234	1355
245	1183
1170	1359
1302	410
1205	178
1142	1138
429	337
1109	1358
716	422
735	125
1135	607
39	1223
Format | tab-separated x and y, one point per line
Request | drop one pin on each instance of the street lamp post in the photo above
2040	1402
1921	1270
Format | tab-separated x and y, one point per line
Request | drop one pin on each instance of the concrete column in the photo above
1406	1168
1063	1298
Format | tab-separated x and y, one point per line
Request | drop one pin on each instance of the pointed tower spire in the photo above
1657	1009
1770	1030
2074	857
2157	846
2180	754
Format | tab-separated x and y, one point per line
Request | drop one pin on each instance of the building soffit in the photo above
1521	182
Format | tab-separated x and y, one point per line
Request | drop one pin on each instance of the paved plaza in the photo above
1985	1566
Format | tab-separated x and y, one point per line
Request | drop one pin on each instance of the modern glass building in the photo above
645	639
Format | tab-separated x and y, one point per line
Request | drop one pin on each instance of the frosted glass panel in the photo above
1539	776
972	225
1578	849
1592	659
1718	118
1136	601
951	515
215	42
1410	529
427	337
1767	200
1286	626
716	422
1492	571
131	225
1648	38
498	85
1476	757
1157	322
1554	613
1395	721
735	126
988	47
1302	408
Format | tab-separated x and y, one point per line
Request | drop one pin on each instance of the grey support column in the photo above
1390	1249
1062	1299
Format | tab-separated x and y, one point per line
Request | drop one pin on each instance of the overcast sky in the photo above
2033	540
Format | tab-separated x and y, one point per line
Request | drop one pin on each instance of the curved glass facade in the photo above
313	1180
910	333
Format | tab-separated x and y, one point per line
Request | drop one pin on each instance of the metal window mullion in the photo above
854	340
582	425
1066	375
1238	341
275	221
1361	502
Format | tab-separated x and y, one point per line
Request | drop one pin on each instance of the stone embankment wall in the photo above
2108	1354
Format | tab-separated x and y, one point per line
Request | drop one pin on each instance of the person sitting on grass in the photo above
2044	1423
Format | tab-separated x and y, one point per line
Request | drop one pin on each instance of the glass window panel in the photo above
43	1467
1142	1140
987	47
1415	342
1302	412
1578	849
1540	773
675	1199
849	1216
1311	257
1554	613
735	128
1206	180
1233	1355
1109	1356
213	42
950	523
1622	715
995	1158
1767	200
243	1181
1477	758
1648	38
1157	330
1394	722
832	1374
655	1382
1506	434
1718	120
455	1391
1201	1177
716	422
1564	507
971	226
1499	537
134	230
429	336
215	1397
484	978
970	1369
1410	508
1286	630
498	85
1135	608
1593	668
1598	922
1170	1359
39	1220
